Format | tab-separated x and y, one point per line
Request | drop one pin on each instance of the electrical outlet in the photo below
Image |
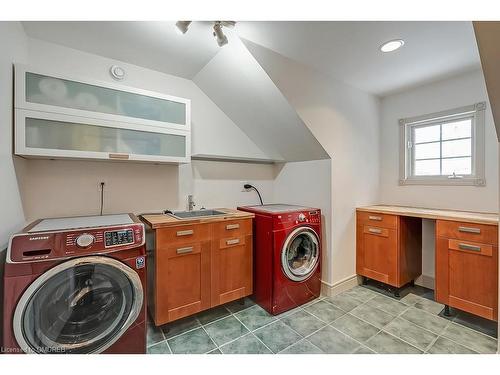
243	183
99	184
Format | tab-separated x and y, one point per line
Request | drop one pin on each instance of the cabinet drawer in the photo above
471	247
381	232
167	237
481	233
379	220
232	242
181	249
233	228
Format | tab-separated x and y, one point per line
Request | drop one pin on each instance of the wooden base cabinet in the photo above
388	248
232	261
194	267
467	267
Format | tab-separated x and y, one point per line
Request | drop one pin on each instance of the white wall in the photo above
308	183
451	93
63	188
345	121
13	42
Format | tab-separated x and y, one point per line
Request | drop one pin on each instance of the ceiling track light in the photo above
221	38
183	26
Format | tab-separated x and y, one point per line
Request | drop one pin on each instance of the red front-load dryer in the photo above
76	285
287	255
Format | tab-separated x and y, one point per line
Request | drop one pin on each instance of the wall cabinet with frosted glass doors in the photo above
67	117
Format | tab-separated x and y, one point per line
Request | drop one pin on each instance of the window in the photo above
445	148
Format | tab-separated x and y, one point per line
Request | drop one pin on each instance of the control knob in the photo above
85	240
302	217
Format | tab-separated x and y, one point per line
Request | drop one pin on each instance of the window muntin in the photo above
444	148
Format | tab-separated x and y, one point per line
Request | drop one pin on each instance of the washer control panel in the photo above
118	237
85	240
295	218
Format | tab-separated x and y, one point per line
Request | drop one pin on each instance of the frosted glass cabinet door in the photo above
70	136
42	89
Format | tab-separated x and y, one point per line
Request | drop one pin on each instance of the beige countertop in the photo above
436	214
165	220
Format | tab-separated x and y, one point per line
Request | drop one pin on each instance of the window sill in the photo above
444	181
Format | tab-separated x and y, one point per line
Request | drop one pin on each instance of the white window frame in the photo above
477	178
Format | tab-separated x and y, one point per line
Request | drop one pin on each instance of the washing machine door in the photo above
80	306
300	254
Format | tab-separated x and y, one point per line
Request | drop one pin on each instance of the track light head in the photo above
182	26
219	34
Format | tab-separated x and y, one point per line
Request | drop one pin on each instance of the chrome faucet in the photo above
191	203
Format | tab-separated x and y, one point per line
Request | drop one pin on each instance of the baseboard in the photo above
331	290
425	281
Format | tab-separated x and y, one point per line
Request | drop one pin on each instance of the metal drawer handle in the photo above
464	246
469	230
232	226
374	230
185	232
185	250
233	242
377	218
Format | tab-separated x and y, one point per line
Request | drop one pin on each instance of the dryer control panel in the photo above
290	219
29	247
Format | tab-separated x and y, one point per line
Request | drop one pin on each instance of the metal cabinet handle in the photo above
185	232
233	242
464	246
377	218
232	226
375	230
185	250
119	156
469	230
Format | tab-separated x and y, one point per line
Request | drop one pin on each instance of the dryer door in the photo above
300	254
80	306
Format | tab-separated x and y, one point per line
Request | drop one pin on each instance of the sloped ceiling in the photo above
236	82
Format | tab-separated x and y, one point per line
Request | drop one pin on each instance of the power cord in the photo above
102	196
248	186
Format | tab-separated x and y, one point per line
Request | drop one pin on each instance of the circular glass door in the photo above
300	254
80	306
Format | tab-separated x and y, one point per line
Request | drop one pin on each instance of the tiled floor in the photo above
360	320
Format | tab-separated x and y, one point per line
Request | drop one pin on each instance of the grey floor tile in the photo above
154	334
160	348
248	344
425	320
471	339
210	315
388	305
325	311
384	343
364	350
289	312
410	299
411	333
236	306
302	347
361	293
372	315
216	351
477	323
355	327
303	322
428	305
225	330
180	326
445	346
193	342
344	301
255	317
332	341
277	336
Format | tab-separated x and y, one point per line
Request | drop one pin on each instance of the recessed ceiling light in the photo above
392	45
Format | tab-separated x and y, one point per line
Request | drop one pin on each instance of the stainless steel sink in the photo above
197	213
